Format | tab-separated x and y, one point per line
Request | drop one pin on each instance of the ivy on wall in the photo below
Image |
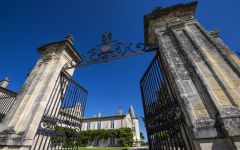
124	135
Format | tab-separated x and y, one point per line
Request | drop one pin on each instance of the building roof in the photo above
118	115
73	111
7	99
7	92
104	118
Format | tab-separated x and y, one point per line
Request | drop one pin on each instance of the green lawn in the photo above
107	148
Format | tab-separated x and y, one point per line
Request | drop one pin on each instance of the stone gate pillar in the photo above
206	75
20	125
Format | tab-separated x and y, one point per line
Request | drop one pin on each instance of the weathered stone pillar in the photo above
20	125
206	74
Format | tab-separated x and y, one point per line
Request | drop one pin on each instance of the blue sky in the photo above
26	25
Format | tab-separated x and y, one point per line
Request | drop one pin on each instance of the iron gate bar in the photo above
110	49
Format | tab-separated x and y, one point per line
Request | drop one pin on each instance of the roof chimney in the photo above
99	114
4	83
120	111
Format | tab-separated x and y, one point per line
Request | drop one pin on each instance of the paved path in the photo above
139	148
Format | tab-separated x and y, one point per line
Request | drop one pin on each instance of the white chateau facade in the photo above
119	120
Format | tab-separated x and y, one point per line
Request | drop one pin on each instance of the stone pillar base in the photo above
14	148
215	144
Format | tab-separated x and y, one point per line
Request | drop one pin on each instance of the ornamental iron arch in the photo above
109	49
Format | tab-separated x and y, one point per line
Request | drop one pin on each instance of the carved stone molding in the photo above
9	131
232	126
204	128
230	111
53	50
169	14
4	138
50	54
214	33
204	123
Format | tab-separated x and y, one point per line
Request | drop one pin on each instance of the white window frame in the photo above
112	124
112	141
99	123
88	125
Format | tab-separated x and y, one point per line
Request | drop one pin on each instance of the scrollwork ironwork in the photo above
110	49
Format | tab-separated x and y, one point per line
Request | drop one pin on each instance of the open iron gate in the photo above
164	119
62	119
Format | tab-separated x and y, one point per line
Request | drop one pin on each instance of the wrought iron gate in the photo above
62	119
164	119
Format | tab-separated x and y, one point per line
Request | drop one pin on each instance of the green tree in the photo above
125	136
142	136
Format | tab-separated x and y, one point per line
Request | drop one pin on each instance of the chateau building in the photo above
119	120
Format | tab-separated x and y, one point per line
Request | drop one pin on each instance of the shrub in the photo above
124	135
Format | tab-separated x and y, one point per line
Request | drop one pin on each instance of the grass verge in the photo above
107	148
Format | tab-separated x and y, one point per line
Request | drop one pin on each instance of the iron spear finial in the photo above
106	37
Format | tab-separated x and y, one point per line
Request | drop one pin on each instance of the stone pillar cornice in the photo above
58	46
165	15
